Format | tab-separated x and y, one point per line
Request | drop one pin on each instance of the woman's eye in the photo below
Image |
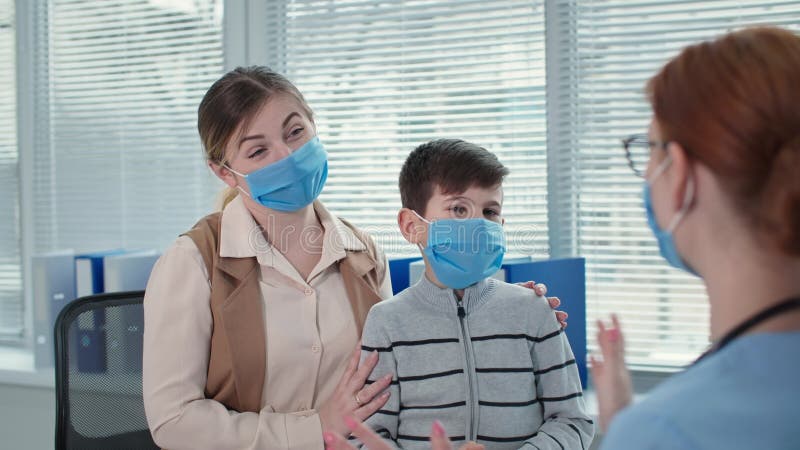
257	152
296	131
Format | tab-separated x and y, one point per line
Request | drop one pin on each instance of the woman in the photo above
252	316
722	196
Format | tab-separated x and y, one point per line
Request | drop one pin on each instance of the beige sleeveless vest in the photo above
237	363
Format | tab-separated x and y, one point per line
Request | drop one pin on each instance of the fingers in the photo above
334	441
439	439
372	406
617	327
610	340
539	288
554	302
561	317
601	328
360	376
371	390
371	439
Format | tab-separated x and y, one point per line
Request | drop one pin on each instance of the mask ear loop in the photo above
419	246
688	196
659	170
225	165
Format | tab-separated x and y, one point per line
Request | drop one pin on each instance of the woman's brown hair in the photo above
231	102
734	105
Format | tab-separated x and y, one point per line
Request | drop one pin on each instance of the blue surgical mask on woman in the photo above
462	252
293	182
666	242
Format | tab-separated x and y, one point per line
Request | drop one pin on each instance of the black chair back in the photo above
98	350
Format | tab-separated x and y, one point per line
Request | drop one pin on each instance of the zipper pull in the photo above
461	312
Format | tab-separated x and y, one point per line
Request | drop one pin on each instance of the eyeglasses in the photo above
637	152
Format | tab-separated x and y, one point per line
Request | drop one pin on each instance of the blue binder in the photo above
53	288
399	271
90	335
565	279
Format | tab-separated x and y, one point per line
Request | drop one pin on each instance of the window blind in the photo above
604	52
384	77
118	162
11	300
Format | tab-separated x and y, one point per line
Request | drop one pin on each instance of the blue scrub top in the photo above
746	396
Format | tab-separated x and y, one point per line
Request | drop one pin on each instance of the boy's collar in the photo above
445	300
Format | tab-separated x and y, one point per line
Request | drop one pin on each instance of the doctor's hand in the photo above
541	290
351	397
372	441
610	377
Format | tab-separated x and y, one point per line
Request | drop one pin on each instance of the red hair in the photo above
734	105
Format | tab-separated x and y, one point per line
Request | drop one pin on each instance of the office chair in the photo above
98	350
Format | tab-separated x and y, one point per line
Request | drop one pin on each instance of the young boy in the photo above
483	357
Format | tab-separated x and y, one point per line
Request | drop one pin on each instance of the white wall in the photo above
27	417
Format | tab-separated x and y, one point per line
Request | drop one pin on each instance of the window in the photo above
115	157
549	86
605	53
11	311
384	77
118	162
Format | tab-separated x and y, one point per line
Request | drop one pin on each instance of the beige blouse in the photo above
310	332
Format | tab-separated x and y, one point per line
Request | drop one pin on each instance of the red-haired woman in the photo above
722	195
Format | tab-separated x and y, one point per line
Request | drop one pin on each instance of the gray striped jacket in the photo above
493	367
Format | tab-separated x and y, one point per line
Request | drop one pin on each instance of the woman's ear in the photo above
412	228
680	175
223	173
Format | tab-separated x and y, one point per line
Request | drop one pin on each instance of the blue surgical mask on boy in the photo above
293	182
462	252
666	243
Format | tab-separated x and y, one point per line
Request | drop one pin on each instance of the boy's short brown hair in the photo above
453	165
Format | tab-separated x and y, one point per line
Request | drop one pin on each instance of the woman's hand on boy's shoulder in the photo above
541	290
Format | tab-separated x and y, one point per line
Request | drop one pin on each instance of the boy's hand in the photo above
610	377
541	290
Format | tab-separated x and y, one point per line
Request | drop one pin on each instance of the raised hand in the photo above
610	377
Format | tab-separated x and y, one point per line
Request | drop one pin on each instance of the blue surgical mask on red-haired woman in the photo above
666	243
293	182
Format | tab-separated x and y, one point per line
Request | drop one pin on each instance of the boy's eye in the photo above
459	211
490	213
